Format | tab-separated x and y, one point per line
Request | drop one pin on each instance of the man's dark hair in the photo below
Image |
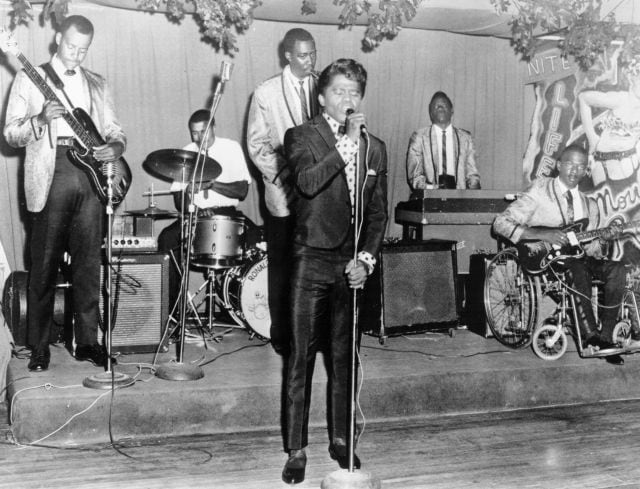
350	68
81	23
201	115
440	95
293	36
574	148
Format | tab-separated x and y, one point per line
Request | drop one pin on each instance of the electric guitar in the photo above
536	256
86	135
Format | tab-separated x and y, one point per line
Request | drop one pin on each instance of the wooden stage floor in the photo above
440	411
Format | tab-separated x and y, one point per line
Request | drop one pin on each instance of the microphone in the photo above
225	71
363	128
225	75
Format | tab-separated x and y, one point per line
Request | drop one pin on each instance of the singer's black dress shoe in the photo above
340	454
293	472
39	361
95	354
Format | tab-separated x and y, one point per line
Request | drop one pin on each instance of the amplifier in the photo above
139	292
133	244
412	290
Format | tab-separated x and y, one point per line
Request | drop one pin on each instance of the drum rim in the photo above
235	274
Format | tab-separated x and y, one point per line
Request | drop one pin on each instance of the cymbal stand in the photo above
108	379
179	370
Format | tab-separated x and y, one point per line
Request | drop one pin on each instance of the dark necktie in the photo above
303	102
70	72
444	152
570	209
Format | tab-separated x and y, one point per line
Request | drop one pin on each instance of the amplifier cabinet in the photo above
413	289
140	294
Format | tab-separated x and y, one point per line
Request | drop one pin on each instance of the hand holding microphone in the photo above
355	124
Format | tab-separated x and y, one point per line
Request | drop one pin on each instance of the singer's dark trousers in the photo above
70	221
279	235
321	316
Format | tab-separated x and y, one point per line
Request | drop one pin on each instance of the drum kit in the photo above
236	268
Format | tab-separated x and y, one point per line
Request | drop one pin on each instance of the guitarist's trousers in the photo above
70	221
613	274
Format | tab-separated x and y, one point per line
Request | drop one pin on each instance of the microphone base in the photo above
343	479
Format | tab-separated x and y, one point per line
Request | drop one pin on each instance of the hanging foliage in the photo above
221	20
583	33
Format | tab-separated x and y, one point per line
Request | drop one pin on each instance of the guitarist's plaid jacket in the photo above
25	103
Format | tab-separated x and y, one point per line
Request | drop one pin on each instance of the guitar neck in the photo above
49	94
596	233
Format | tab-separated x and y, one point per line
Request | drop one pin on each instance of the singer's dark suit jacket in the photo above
323	246
322	205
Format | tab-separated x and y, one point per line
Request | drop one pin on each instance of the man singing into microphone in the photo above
334	162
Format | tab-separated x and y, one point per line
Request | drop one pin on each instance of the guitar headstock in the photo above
7	43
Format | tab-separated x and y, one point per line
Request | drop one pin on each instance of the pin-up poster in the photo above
600	110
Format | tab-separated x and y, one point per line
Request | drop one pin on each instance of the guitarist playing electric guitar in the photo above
540	213
65	211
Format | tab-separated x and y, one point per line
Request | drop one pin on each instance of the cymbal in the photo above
176	164
153	212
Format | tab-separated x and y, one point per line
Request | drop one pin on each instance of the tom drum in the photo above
218	242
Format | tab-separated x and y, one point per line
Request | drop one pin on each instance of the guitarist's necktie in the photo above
303	102
444	153
570	209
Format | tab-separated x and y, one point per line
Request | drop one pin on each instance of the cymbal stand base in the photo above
179	371
106	380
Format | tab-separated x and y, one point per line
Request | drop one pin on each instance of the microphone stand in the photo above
108	379
178	370
349	478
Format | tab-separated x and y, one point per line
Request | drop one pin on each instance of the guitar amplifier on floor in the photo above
413	289
140	294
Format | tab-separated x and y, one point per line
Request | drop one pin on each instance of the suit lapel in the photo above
323	128
290	98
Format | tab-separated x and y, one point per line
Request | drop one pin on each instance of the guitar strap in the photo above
57	82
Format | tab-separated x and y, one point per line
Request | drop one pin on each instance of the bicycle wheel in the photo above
549	341
510	300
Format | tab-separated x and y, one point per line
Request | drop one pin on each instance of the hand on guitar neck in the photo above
51	111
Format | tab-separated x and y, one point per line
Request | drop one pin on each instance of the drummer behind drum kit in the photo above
237	268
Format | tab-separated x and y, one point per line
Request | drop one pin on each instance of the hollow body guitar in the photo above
86	135
536	256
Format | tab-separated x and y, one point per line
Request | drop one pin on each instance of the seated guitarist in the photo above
65	212
540	213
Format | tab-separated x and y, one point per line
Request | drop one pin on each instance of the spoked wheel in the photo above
510	300
549	341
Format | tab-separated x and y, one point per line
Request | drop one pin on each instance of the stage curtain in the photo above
160	72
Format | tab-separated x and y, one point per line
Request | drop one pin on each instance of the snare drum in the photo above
218	241
244	292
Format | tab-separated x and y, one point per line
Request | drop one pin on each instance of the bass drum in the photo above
245	295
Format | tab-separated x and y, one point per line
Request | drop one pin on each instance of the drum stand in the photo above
209	288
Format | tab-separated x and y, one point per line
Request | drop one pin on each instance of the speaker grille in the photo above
413	289
139	290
